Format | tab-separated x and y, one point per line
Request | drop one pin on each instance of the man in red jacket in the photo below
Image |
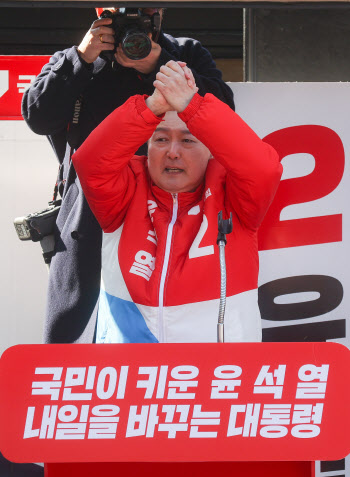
160	266
177	161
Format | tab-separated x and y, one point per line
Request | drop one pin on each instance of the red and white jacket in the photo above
160	261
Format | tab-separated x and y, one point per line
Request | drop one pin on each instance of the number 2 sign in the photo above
326	147
304	238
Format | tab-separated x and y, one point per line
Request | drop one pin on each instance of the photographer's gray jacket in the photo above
68	86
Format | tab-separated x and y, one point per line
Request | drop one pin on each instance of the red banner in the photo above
175	402
16	75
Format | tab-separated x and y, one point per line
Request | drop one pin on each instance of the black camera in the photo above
39	227
131	29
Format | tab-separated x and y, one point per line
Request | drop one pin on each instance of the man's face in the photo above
177	161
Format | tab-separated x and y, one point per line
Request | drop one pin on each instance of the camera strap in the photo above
73	134
73	137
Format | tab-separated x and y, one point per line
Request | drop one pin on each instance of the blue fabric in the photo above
120	321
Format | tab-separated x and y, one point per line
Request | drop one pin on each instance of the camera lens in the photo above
136	45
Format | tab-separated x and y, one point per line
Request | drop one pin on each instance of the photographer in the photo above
74	92
160	264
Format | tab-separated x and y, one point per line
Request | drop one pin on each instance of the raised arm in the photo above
253	167
102	161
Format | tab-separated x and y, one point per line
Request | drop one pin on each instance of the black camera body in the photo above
38	225
131	29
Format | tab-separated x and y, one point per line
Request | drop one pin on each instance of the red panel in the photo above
16	73
54	415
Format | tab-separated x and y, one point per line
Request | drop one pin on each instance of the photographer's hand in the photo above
176	83
146	65
100	37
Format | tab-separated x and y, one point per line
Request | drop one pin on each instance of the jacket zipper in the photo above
165	270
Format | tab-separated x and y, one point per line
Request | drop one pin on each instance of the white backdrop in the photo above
270	107
28	175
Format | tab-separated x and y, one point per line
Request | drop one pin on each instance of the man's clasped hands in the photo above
175	86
